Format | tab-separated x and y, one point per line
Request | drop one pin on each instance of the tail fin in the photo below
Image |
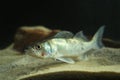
97	38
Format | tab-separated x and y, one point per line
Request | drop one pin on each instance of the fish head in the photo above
38	50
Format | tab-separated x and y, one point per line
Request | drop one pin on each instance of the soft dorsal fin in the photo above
64	34
81	36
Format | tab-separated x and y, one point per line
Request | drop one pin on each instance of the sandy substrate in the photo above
16	66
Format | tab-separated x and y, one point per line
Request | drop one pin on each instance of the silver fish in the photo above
64	46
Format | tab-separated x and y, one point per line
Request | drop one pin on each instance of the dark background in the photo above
72	15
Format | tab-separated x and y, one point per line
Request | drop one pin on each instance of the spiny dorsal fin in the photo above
64	34
81	36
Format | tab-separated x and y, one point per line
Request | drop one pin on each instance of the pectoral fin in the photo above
67	60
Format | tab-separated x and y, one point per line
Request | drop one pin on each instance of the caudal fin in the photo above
97	38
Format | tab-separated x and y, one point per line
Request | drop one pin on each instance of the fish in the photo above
65	45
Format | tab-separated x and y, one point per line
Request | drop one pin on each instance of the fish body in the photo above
64	45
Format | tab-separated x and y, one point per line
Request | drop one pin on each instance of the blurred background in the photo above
72	15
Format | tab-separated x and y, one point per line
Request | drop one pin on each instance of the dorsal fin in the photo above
81	36
64	34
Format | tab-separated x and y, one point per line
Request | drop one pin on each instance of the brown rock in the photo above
27	35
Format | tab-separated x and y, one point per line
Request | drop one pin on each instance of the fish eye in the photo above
38	47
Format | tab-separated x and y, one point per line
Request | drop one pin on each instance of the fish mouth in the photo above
37	56
43	54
